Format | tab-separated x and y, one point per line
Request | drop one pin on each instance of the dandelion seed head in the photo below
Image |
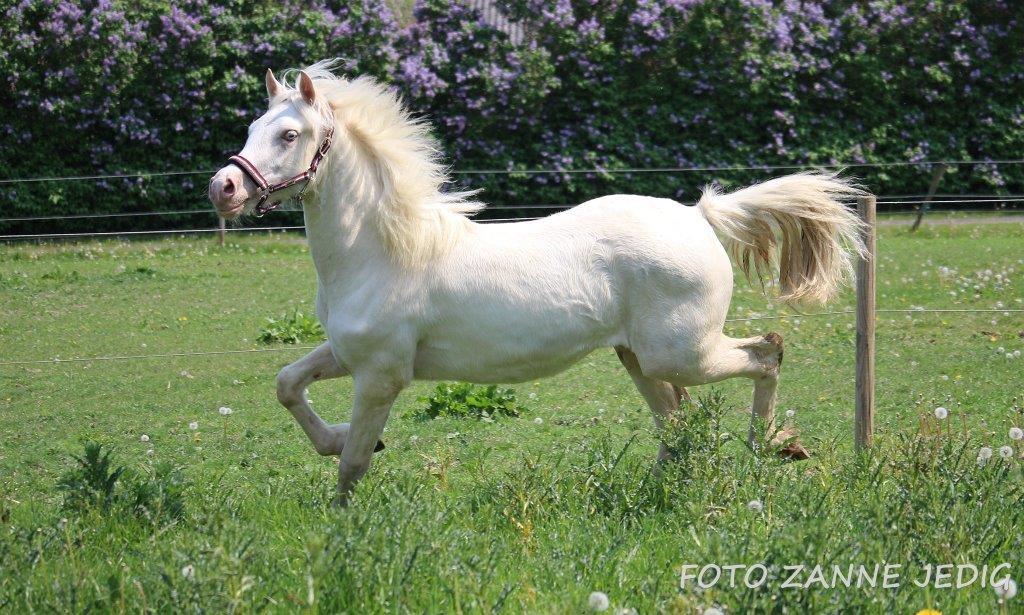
189	571
1016	433
144	438
755	506
194	425
985	452
538	421
1006	588
941	413
598	601
790	413
1006	452
224	411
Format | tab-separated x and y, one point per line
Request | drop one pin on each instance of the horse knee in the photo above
349	473
355	468
289	386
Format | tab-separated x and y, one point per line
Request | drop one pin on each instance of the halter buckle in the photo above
262	208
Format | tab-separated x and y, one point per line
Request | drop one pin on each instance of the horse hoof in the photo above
793	451
379	447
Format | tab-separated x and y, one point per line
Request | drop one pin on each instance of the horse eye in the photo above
290	135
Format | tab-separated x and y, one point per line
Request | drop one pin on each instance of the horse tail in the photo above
819	234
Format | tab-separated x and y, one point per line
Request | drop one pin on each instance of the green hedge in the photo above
115	86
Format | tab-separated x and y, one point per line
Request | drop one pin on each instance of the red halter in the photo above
266	189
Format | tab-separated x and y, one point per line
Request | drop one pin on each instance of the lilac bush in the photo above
747	82
115	86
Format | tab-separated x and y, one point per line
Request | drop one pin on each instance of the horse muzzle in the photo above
228	192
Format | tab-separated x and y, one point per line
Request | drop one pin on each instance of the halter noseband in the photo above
266	189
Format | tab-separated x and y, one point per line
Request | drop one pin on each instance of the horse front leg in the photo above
292	382
374	397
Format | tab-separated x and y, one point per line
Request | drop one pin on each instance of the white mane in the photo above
390	165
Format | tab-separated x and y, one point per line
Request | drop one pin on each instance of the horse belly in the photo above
509	350
434	364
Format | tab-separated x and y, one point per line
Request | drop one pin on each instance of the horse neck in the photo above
342	238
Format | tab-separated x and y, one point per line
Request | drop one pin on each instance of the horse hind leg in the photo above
662	397
765	355
760	359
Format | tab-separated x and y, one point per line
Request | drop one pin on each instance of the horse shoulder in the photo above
375	322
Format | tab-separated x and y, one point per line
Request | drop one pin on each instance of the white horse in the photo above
410	288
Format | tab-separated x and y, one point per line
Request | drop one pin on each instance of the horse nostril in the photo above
228	187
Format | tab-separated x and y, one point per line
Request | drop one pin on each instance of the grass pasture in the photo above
514	515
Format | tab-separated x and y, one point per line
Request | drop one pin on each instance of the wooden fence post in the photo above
922	209
864	418
223	230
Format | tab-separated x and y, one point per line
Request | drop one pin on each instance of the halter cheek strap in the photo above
266	189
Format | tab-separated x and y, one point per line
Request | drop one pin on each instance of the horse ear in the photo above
306	88
274	86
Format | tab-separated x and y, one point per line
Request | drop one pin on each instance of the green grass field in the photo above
514	515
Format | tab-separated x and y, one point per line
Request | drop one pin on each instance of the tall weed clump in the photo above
95	484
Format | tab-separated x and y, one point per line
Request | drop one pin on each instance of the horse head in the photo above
281	153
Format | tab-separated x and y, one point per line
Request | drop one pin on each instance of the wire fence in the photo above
961	201
201	231
883	311
866	312
211	212
165	355
592	170
175	355
893	200
882	200
151	232
123	214
66	222
192	231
